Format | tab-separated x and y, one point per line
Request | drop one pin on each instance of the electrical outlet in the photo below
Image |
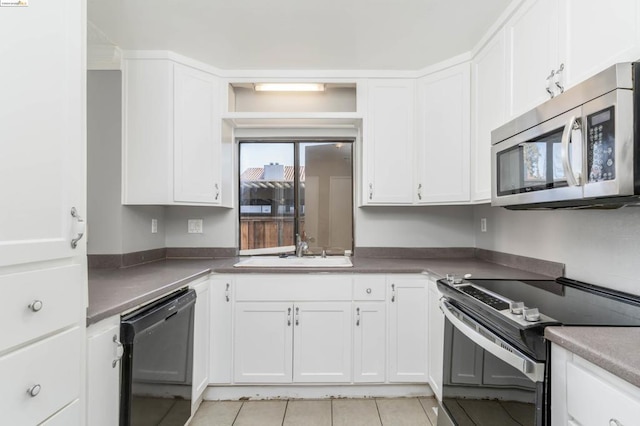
154	226
483	224
194	226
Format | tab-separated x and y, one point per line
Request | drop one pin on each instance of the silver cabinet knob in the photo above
368	291
36	305
34	390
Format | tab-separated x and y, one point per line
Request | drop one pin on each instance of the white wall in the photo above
597	246
112	227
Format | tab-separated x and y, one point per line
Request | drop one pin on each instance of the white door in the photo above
200	343
407	329
532	35
444	136
595	35
489	101
42	131
196	137
340	213
370	345
436	340
220	329
103	373
389	142
263	345
322	342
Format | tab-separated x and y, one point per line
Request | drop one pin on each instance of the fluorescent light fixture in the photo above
289	87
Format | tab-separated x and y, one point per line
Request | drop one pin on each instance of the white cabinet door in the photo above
42	153
220	331
388	143
322	342
489	101
436	339
444	135
263	342
201	335
595	35
103	372
407	329
532	35
196	137
370	343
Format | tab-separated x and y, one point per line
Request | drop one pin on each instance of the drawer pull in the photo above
119	351
34	390
368	291
358	317
614	422
36	305
393	292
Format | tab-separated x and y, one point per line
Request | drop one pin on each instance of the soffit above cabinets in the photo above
309	34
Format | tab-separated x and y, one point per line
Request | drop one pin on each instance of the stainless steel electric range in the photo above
496	361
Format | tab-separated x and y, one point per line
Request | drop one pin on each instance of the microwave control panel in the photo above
601	145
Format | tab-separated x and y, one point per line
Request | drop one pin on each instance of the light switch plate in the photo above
194	226
483	224
154	226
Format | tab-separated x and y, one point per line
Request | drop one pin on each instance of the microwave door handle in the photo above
573	124
534	371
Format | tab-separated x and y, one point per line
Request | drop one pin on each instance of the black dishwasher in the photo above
157	362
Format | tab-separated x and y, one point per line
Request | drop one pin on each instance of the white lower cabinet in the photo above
583	394
435	339
103	372
68	416
220	328
370	343
407	328
200	376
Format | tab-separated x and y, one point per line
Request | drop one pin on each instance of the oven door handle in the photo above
533	370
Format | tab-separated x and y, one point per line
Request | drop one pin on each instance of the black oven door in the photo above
486	381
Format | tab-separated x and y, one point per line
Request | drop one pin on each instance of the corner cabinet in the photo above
388	142
442	152
435	341
172	144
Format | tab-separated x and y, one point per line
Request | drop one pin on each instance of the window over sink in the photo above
290	188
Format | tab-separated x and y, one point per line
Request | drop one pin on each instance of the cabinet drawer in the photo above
299	287
60	296
54	364
68	416
594	398
369	287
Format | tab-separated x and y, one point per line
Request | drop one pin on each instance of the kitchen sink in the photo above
295	262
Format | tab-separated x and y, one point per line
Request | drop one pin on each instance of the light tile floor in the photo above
325	412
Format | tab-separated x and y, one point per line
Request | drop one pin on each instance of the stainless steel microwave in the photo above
579	149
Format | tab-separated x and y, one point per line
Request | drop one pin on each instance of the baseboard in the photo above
257	392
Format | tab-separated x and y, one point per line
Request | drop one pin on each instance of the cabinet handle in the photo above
393	292
556	79
34	390
549	80
119	351
419	191
368	291
357	317
226	293
36	305
614	422
289	317
80	226
297	316
217	191
370	191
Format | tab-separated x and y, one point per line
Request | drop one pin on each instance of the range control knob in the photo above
516	308
531	314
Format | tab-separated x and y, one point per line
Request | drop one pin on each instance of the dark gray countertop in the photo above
614	349
114	291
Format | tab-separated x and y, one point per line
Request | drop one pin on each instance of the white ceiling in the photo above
300	34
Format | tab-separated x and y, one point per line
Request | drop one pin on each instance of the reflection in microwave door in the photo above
535	162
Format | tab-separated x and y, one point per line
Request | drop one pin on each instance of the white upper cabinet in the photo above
443	136
196	132
172	135
388	142
532	39
595	35
489	100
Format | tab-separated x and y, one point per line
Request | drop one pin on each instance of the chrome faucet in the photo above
301	246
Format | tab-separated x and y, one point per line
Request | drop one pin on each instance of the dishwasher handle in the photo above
498	348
